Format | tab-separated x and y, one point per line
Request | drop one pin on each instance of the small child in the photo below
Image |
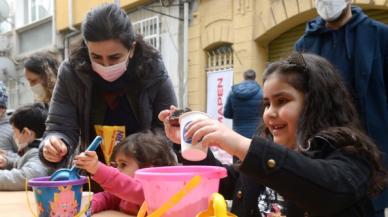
28	123
122	191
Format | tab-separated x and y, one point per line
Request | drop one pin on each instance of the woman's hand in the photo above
54	149
213	133
88	161
172	132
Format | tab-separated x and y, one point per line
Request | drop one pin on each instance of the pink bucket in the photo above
160	183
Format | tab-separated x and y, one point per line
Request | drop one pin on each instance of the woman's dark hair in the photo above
147	148
107	22
32	116
45	65
328	110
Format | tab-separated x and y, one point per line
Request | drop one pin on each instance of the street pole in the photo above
185	52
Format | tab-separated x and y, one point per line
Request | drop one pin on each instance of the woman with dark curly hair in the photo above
112	79
40	70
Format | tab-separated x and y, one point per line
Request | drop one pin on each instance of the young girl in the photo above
122	191
315	154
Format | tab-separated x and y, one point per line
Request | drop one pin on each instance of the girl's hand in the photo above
213	133
54	149
88	161
172	132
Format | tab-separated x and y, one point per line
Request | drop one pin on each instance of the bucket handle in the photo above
217	208
83	211
218	204
174	199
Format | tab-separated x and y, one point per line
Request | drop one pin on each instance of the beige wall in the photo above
249	25
81	7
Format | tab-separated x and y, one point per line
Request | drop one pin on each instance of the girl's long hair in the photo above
328	110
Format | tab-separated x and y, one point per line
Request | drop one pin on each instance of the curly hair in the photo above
328	110
148	149
45	65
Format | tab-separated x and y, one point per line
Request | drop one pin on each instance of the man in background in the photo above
243	105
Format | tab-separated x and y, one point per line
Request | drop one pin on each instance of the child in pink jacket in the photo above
122	191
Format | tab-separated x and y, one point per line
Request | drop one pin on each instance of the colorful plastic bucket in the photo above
57	198
160	183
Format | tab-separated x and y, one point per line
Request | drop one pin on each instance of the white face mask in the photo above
110	73
330	10
21	145
39	92
2	112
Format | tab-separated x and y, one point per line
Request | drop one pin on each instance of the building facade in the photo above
244	34
54	26
223	34
26	26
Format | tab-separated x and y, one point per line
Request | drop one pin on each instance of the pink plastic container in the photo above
160	183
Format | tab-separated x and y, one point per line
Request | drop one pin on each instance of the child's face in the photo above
283	105
22	138
126	164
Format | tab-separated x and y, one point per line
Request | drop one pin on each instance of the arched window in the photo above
220	58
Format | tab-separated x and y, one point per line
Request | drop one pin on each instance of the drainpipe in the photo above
67	42
73	31
185	51
54	26
71	15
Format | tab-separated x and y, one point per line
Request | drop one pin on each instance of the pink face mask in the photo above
110	73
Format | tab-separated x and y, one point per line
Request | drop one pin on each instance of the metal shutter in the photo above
283	45
379	15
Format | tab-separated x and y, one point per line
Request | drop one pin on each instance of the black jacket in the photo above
324	181
242	189
69	115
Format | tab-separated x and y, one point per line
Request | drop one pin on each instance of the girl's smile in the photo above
282	107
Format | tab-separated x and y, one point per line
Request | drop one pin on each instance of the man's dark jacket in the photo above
243	106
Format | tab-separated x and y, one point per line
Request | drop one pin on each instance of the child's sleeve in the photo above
28	167
119	184
104	201
12	159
